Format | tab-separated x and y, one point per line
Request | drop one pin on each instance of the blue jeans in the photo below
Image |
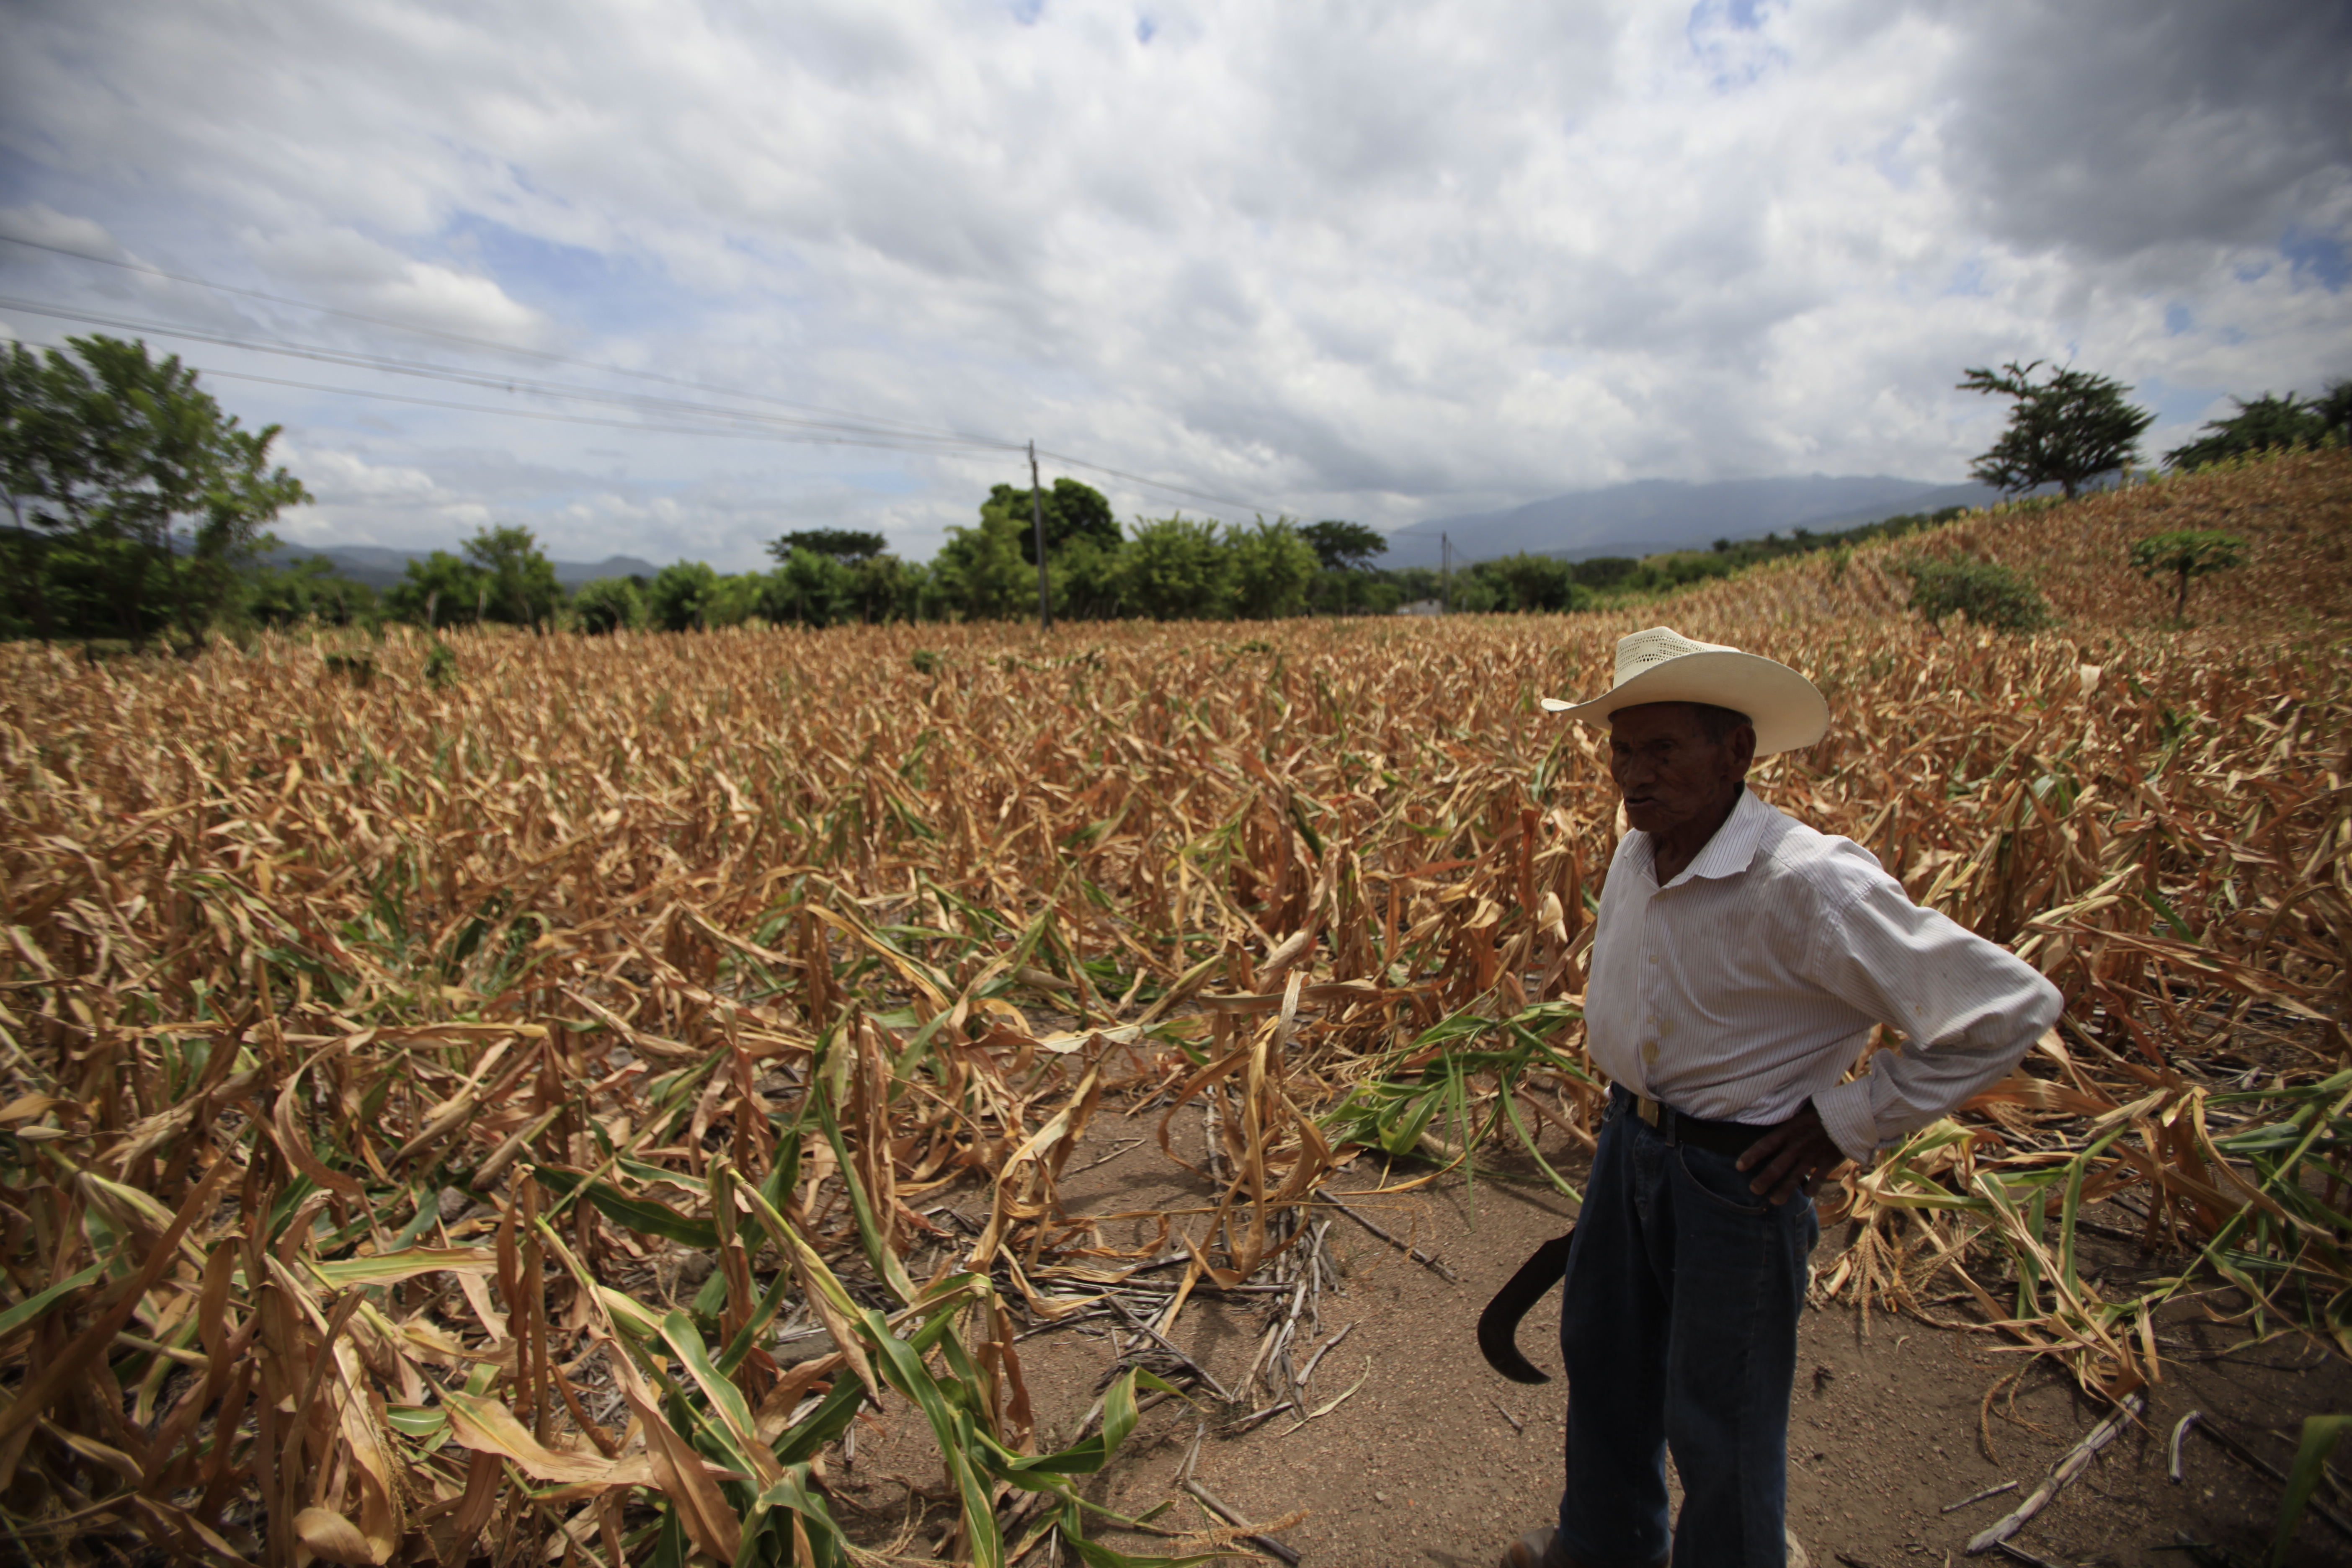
1678	1327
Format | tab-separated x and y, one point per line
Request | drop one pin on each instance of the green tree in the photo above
2185	553
309	590
166	496
1270	569
2067	428
1084	580
735	597
442	590
1344	546
609	605
1071	509
884	588
841	544
2334	409
1528	582
47	472
1605	572
1176	569
825	576
979	574
1677	569
522	589
810	589
2267	423
1347	584
680	596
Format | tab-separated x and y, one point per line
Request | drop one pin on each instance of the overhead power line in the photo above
544	415
834	427
1067	461
354	359
491	343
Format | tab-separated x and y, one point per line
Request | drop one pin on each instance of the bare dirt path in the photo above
1436	1460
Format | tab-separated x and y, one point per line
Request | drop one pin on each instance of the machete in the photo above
1498	1325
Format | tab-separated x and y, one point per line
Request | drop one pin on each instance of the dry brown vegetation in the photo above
378	1049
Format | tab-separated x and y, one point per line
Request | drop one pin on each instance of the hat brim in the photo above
1788	710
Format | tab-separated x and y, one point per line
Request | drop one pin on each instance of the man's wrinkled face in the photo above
1671	775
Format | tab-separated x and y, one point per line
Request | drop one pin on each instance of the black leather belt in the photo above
1729	1139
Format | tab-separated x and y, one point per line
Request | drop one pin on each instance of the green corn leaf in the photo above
781	1232
1097	1555
952	1426
642	1216
416	1420
772	1301
712	1298
736	1431
2319	1435
2076	1170
833	1412
32	1307
886	1262
794	1492
1087	1456
1527	1142
629	1314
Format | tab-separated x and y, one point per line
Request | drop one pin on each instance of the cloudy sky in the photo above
1380	261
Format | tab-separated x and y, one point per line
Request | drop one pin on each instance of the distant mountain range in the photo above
380	568
1651	515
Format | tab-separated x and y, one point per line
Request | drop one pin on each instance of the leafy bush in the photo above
608	605
1985	593
1532	582
2186	553
440	665
679	597
1606	570
1175	569
310	590
1677	569
1272	568
442	590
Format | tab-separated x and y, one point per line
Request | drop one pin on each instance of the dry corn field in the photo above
378	1047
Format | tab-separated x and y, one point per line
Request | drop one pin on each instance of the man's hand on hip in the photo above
1791	1154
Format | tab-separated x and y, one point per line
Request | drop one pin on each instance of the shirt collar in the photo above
1734	846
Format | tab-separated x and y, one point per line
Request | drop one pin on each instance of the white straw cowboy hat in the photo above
1661	665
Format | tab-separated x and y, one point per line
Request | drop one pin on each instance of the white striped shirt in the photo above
1750	981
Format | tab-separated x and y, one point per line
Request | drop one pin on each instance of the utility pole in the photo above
1037	517
1445	575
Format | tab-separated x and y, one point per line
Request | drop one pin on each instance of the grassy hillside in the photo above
2295	511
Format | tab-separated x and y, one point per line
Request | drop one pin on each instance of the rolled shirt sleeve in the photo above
1967	1009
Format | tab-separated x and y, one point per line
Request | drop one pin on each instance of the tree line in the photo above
138	511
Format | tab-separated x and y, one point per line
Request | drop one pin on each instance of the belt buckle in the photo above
1647	1108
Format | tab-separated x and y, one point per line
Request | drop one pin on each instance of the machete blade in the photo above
1498	1325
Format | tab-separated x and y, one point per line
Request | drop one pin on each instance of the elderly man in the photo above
1739	959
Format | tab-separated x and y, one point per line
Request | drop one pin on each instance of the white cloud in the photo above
339	267
1368	260
43	224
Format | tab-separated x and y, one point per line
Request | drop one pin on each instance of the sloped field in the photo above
378	1044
